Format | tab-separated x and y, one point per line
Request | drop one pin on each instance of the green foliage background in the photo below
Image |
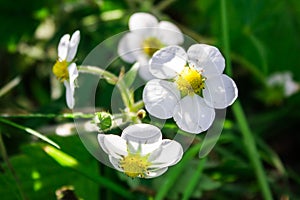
264	38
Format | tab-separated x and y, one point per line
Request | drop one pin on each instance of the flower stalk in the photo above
112	79
241	118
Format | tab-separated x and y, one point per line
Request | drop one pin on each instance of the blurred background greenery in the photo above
264	39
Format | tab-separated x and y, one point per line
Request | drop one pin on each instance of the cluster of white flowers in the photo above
184	85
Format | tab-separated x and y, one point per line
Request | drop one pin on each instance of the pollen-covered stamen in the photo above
60	70
190	81
151	45
135	165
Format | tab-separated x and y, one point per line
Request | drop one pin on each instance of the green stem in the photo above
196	36
175	172
164	4
252	150
9	86
10	167
30	131
241	118
194	180
261	51
109	77
112	79
48	115
128	115
137	106
126	94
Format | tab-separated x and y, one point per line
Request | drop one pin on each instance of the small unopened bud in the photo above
103	120
66	192
141	114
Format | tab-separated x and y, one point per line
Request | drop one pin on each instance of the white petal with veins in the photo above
168	62
207	58
160	98
193	115
113	145
73	45
220	91
63	47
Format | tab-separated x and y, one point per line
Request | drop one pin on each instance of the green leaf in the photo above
30	131
68	161
40	176
62	158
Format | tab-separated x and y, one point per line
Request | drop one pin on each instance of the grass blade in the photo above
9	86
241	118
30	131
175	172
194	180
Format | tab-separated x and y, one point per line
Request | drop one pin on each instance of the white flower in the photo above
193	87
146	36
140	151
284	80
65	69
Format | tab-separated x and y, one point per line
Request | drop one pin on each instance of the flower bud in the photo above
103	120
141	114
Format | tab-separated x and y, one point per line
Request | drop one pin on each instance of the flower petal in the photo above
142	20
130	47
142	137
220	91
167	62
192	114
116	163
156	172
160	98
142	133
208	58
113	145
63	47
169	154
73	73
169	33
145	73
69	94
70	85
290	87
72	47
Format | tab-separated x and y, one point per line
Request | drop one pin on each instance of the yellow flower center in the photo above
190	81
151	45
60	70
135	165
